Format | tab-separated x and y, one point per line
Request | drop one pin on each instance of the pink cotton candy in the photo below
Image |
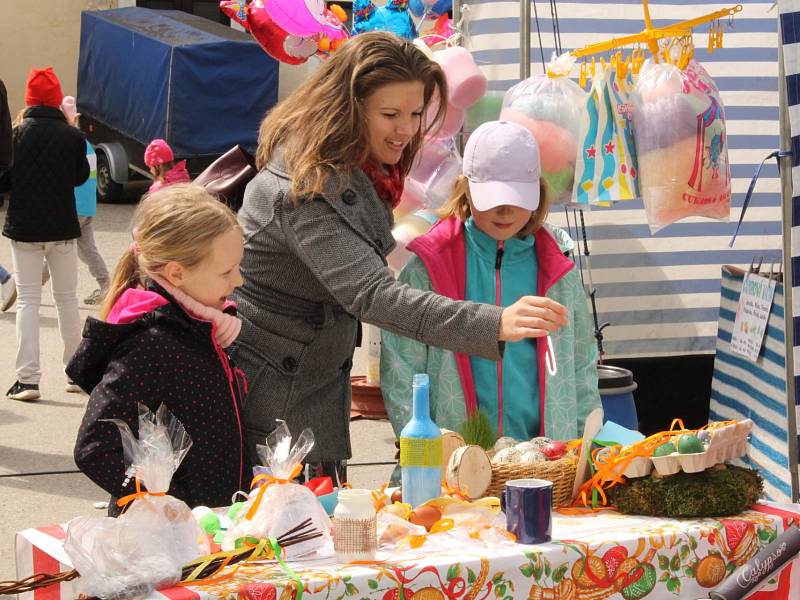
557	146
465	81
432	154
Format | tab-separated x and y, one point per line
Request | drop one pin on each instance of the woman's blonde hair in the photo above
321	126
178	224
458	206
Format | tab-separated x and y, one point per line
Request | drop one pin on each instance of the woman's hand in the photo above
531	317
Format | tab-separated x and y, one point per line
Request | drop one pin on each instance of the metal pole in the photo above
524	39
786	206
456	8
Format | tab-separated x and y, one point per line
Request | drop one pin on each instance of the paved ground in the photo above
39	483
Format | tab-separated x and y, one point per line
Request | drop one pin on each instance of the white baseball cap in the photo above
502	164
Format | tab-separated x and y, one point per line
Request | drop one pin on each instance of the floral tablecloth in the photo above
592	557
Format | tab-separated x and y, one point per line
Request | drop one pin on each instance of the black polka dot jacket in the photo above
164	356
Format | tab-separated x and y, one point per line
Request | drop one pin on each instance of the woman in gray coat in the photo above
317	224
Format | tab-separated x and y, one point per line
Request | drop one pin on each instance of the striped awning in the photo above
661	292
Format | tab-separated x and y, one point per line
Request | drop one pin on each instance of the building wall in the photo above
40	34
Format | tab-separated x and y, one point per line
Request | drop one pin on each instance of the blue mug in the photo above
528	505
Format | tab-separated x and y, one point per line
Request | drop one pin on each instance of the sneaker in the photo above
23	391
9	293
72	387
96	297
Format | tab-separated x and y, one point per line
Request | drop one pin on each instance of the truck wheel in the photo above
108	190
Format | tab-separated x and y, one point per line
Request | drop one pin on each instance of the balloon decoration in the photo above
394	17
405	230
290	31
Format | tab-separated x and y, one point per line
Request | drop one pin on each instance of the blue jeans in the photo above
4	275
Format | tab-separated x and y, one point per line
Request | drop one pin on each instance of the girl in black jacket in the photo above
163	338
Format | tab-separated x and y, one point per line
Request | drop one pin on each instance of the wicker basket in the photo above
561	472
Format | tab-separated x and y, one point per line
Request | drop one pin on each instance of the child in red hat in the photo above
159	157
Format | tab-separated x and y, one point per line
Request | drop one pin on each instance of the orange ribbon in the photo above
379	497
139	494
268	480
415	541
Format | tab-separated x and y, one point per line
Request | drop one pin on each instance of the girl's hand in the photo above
531	317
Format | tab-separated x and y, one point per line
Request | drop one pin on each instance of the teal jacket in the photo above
564	399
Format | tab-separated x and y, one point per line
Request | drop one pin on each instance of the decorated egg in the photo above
506	455
524	447
554	450
689	443
664	449
532	456
704	436
425	516
505	442
541	442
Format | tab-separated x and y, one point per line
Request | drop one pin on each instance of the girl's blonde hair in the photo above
322	127
458	206
175	224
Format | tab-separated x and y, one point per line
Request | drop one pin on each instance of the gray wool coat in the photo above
311	272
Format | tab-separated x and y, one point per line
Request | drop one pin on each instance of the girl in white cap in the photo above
492	246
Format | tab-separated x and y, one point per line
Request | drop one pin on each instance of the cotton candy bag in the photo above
550	107
277	504
681	141
146	546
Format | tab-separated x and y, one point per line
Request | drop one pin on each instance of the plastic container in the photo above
355	534
616	393
421	449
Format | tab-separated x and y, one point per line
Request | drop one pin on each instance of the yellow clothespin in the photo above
584	74
712	39
593	69
720	32
637	60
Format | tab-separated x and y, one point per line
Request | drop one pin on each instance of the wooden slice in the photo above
451	441
470	470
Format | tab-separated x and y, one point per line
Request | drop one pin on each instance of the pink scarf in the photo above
226	327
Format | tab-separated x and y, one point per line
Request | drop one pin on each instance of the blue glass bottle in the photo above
421	449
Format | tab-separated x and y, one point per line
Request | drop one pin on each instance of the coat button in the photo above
290	364
349	197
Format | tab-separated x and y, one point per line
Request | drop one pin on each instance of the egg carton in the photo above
726	443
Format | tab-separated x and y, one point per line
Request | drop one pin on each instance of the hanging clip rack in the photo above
651	35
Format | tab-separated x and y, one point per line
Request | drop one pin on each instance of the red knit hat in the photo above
43	88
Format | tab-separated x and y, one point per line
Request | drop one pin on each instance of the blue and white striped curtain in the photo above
661	292
790	45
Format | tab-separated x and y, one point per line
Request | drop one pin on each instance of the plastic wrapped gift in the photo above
679	126
277	503
147	545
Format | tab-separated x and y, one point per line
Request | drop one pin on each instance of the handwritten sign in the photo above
752	314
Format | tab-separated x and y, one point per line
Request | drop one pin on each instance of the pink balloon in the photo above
557	147
405	230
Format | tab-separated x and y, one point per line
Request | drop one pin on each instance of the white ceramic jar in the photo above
355	534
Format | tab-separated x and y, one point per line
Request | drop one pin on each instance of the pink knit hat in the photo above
157	153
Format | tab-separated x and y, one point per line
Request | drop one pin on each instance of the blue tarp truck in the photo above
146	74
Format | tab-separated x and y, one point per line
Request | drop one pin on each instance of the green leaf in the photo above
773	535
763	535
693	542
537	571
347	578
526	570
663	562
674	585
559	573
453	571
508	598
675	563
500	590
373	585
530	554
547	569
730	568
498	578
664	576
684	552
350	589
471	577
689	572
511	585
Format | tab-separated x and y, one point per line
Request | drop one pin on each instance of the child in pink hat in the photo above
159	157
